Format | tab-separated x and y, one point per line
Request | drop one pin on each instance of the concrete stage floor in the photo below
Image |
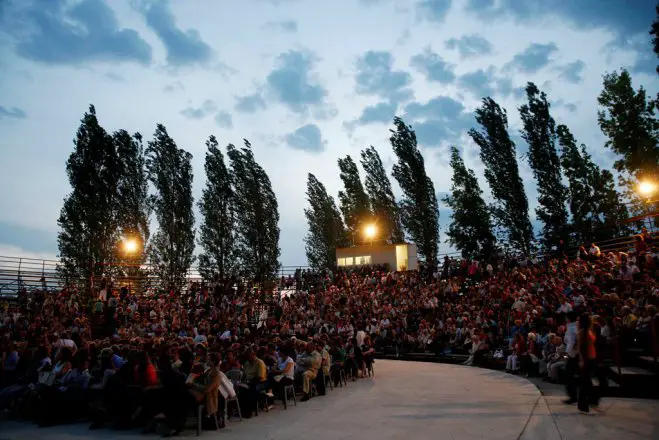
415	400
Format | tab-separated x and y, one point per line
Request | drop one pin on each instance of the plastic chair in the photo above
289	389
328	380
235	376
226	406
200	415
342	378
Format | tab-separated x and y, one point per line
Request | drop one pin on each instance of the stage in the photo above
416	400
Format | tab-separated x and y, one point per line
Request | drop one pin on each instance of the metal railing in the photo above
20	273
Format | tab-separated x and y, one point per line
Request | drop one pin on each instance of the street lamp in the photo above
647	188
130	245
370	231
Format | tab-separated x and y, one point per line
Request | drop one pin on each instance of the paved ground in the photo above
422	401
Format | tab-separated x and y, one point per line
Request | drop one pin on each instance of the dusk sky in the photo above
306	81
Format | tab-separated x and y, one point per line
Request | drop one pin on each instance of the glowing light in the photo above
370	231
647	188
130	246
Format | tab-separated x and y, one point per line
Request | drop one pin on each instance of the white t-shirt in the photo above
285	363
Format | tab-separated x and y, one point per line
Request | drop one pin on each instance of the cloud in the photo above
479	82
572	72
569	106
291	83
287	26
53	33
382	112
174	87
12	113
114	77
376	77
28	239
200	112
223	120
307	138
470	46
617	16
250	103
183	47
535	57
434	67
433	10
442	119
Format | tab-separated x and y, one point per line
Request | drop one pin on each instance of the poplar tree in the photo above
497	151
216	234
470	230
353	200
540	134
381	196
419	209
256	216
170	172
89	226
326	229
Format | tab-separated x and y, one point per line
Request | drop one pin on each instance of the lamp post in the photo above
647	188
131	246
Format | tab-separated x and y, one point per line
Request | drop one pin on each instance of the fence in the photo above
18	273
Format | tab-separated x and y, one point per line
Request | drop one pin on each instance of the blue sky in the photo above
306	81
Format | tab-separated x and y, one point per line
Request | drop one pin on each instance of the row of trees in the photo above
578	202
117	185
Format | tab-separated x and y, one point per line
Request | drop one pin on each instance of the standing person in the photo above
587	363
572	363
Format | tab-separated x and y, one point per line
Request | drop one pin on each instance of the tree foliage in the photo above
381	196
497	152
216	234
354	202
627	117
170	172
540	134
88	221
256	216
326	229
595	205
419	209
470	230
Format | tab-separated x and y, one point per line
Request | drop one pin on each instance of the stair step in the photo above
610	383
632	371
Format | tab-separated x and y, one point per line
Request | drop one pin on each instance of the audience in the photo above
123	359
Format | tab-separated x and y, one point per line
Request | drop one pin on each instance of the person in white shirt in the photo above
572	364
595	251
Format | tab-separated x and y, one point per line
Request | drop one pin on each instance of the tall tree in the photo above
470	230
540	134
89	233
354	202
610	209
170	172
595	205
216	236
419	209
256	215
578	169
497	151
381	196
627	117
134	207
326	229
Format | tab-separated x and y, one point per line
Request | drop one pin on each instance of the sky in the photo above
306	81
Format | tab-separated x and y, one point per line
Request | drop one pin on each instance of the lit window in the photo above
341	261
349	261
367	259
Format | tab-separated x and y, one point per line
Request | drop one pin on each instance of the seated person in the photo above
308	363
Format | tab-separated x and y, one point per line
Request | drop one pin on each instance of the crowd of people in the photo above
124	360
